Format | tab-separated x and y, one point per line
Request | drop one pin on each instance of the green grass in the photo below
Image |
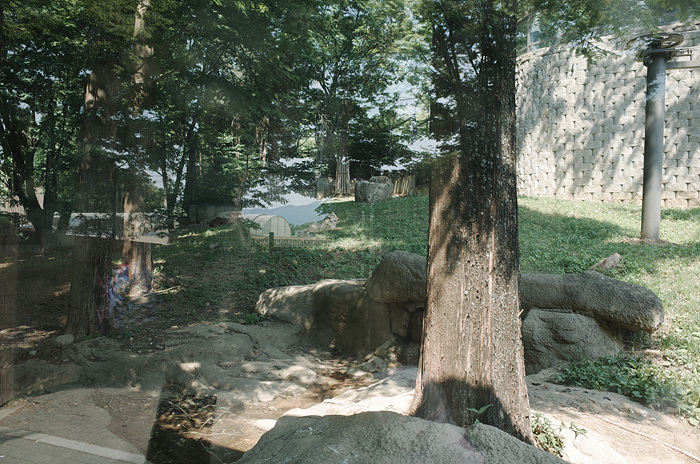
399	224
220	273
560	236
639	379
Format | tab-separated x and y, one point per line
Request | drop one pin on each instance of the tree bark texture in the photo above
191	145
90	273
136	254
472	354
91	266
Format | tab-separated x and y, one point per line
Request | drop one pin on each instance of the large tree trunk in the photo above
342	176
472	353
88	307
136	254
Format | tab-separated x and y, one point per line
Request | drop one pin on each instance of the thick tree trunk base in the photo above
472	355
137	256
88	309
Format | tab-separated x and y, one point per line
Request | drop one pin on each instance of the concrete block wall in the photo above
581	126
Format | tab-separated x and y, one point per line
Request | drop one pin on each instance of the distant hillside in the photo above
293	214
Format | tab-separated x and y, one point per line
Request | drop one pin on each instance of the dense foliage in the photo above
200	102
207	98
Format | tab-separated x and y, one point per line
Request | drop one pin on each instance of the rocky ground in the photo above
206	392
210	391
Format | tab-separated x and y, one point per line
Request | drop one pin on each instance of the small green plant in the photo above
637	379
478	412
548	438
253	318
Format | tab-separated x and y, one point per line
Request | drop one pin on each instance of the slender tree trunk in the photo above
472	354
191	174
53	155
171	194
136	254
342	168
142	52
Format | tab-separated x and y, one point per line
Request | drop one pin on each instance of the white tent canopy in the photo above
268	223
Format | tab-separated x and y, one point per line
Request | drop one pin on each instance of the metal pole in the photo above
654	144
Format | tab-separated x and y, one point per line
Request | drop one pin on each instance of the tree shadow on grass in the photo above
556	243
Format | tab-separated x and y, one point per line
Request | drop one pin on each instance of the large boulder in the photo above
590	293
348	319
375	190
388	437
381	180
293	304
334	313
399	278
357	319
552	337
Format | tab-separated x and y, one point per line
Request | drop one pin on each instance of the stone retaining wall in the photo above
581	126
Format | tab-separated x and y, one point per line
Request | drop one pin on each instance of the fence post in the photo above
271	243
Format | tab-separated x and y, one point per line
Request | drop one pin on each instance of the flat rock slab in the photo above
618	430
120	415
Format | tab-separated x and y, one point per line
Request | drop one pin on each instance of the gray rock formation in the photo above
380	180
293	304
375	190
387	437
552	337
399	278
325	187
334	313
590	293
588	311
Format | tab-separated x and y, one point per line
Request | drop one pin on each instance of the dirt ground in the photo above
33	302
34	293
166	424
